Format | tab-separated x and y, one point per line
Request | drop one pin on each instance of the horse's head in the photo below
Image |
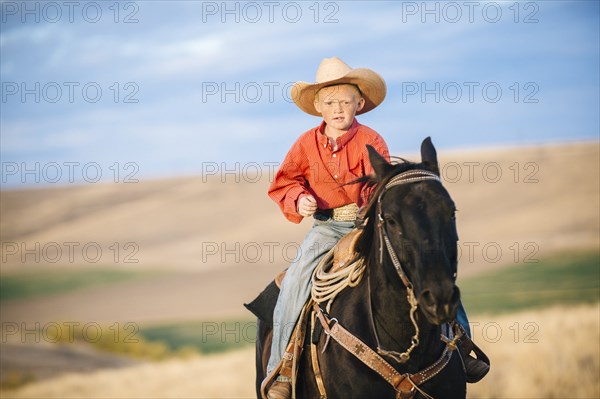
413	211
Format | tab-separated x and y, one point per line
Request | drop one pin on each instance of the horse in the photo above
407	294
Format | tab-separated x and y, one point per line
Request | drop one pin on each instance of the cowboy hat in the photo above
333	71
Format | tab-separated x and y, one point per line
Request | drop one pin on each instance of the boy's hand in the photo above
307	205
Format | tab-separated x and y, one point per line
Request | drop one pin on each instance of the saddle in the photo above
343	254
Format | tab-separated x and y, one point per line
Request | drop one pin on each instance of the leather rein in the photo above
406	385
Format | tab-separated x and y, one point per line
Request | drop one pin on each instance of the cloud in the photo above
174	48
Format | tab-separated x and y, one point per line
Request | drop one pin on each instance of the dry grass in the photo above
223	376
552	353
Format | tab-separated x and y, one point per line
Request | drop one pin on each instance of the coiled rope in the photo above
327	285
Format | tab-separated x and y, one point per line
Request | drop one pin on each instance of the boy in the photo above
310	183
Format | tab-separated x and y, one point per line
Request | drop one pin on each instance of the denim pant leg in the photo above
295	288
462	319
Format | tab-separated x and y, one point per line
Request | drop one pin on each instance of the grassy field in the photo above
566	278
206	337
35	284
521	316
571	278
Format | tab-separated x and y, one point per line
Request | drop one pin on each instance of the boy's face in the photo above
339	105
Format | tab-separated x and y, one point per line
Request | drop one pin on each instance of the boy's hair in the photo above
340	84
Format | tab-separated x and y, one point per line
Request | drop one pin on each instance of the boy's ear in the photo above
429	156
361	104
379	163
317	105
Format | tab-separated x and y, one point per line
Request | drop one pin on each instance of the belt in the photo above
346	213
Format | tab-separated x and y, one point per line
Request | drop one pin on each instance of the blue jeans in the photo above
295	288
462	319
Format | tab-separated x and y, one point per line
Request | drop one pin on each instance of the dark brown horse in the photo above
409	238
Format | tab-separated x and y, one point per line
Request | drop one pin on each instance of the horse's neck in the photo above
391	313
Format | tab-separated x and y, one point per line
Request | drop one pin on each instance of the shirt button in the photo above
335	177
334	155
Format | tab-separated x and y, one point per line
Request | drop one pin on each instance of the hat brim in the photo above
371	85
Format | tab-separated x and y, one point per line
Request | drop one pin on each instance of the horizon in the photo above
247	172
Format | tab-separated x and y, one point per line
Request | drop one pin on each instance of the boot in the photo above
475	367
281	389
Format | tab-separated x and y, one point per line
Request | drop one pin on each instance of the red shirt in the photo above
312	167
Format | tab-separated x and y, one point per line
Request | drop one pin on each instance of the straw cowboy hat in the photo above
333	71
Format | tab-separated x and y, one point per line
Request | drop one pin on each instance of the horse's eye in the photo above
391	222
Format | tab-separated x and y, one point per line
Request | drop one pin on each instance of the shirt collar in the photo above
342	140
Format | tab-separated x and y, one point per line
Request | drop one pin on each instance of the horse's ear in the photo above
380	165
429	156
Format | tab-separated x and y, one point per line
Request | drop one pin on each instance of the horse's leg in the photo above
264	335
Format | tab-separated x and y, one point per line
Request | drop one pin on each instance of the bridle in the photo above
411	176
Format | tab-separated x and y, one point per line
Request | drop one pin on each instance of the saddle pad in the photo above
264	304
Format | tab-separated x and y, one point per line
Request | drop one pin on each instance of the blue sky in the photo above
169	87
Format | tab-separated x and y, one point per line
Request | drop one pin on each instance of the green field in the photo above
206	336
566	278
40	283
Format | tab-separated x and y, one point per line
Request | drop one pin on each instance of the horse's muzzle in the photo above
440	304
